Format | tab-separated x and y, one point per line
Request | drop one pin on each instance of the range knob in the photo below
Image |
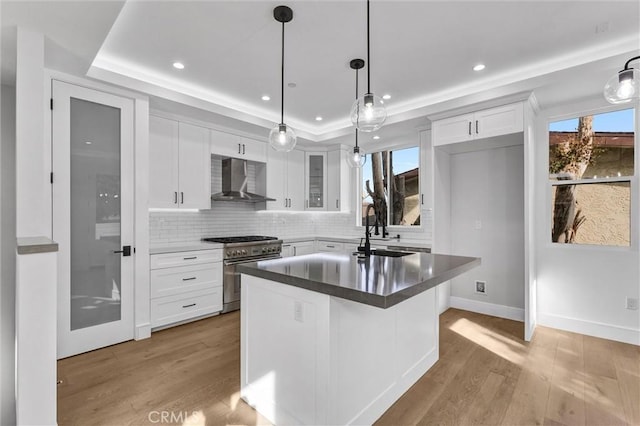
235	252
244	252
264	249
228	252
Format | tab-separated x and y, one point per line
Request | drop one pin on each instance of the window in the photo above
591	166
391	184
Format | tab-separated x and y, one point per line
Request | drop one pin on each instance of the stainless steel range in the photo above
239	250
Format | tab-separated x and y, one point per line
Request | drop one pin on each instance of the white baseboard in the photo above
590	328
500	311
143	331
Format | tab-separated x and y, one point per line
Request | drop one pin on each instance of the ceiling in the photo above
422	52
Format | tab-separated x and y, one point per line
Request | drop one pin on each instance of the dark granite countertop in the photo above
377	281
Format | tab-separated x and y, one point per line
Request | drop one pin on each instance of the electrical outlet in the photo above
632	303
477	224
298	313
481	287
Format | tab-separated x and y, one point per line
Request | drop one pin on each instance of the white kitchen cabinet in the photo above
482	124
298	249
230	145
338	181
179	165
328	246
185	286
285	182
316	181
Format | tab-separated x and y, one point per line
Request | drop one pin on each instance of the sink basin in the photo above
389	253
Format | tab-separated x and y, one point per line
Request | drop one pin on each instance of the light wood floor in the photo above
486	375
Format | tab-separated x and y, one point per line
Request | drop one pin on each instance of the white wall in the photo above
487	191
33	193
7	255
583	288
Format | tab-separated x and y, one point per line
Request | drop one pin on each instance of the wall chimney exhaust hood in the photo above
234	183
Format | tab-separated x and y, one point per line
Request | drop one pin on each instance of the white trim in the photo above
591	328
500	311
143	331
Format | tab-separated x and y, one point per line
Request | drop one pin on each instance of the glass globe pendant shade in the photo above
623	87
356	157
368	113
282	138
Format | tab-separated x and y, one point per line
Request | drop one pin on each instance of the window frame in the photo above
360	185
632	180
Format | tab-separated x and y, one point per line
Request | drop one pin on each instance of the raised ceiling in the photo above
422	53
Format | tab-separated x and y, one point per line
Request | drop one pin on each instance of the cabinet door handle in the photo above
238	148
243	149
175	197
337	204
295	250
181	197
422	199
328	246
307	204
189	279
190	258
188	306
476	127
289	202
469	128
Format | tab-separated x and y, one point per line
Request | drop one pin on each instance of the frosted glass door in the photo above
316	179
92	150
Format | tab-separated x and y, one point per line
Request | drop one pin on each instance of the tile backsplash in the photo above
228	219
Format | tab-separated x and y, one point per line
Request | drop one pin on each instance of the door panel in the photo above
92	217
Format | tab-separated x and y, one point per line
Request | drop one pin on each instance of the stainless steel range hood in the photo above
234	183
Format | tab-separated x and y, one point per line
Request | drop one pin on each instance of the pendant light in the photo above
358	157
282	137
367	112
623	86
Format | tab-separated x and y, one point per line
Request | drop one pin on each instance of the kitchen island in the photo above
328	338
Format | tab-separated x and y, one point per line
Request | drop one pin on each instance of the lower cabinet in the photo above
322	245
298	249
185	286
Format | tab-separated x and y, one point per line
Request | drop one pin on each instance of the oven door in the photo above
231	282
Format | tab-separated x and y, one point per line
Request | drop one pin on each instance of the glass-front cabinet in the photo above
316	181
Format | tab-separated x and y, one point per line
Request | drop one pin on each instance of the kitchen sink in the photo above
389	253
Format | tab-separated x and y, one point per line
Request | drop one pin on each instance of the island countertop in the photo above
379	281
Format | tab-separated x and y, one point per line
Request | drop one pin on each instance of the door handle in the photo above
189	279
126	251
476	127
238	148
175	197
469	128
181	197
188	306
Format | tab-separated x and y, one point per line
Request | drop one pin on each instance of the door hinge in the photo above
51	104
51	177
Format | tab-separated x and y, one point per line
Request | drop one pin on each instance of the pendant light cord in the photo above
368	53
357	72
626	66
282	80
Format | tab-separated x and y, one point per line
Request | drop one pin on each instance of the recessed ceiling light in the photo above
479	67
266	98
88	142
292	85
318	118
376	137
386	97
178	65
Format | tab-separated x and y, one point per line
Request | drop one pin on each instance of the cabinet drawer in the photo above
184	258
170	309
329	246
168	281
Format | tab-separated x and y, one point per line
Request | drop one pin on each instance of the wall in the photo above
7	255
487	221
583	288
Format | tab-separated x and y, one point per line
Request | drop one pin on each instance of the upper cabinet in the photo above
486	123
230	145
338	181
179	165
284	180
316	181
